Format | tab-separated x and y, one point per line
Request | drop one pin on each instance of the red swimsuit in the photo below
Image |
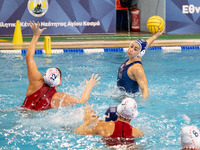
122	134
40	100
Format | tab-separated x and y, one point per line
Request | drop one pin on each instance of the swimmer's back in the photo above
121	134
40	100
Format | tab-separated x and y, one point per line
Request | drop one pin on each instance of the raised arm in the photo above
32	70
71	100
86	94
89	86
153	38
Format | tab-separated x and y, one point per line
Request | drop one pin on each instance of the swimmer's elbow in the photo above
82	101
145	96
82	132
141	134
29	58
145	93
74	100
77	131
138	133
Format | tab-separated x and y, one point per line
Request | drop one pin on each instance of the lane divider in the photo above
100	50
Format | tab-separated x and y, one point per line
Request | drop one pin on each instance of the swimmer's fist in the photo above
93	81
35	27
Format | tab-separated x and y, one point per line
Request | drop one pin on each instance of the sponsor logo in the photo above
190	9
37	8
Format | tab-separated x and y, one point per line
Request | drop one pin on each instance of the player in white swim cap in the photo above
118	132
190	138
52	77
41	93
127	109
124	110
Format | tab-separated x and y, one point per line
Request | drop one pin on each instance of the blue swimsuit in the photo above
124	82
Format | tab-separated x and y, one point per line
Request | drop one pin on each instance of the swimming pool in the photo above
174	84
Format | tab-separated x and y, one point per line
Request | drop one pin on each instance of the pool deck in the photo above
103	43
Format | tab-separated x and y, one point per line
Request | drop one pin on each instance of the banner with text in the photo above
182	16
60	17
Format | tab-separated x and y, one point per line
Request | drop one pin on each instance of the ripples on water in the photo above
173	81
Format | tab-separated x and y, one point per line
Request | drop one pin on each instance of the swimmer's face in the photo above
60	76
56	87
133	50
60	83
60	80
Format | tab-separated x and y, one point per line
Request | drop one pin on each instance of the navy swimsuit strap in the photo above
135	62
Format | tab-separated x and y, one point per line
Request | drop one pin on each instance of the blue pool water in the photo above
174	84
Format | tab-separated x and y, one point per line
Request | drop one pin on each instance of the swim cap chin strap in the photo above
143	44
52	77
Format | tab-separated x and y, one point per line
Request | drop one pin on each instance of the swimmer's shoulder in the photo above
106	124
135	69
32	88
58	96
106	129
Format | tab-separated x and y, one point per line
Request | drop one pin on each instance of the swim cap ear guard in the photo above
52	77
143	44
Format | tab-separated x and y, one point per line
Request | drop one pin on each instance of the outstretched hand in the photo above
90	114
160	32
93	81
35	27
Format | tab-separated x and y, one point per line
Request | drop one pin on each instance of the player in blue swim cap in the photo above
143	44
111	114
131	75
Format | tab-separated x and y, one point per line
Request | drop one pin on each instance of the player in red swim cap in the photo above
41	93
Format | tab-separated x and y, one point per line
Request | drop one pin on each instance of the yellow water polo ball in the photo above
154	23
